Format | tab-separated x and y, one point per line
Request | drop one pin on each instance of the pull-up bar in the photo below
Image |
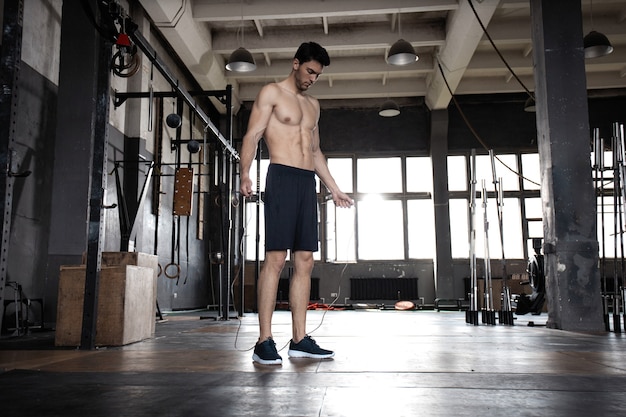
145	47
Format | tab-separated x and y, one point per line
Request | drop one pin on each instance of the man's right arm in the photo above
259	117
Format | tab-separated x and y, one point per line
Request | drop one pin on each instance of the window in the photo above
421	229
531	171
501	164
250	221
250	231
340	236
341	170
608	229
393	218
419	175
459	227
380	229
511	233
340	222
379	175
506	169
457	173
534	217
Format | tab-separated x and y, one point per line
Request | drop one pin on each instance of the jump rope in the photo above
323	315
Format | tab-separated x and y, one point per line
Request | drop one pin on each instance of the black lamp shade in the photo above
596	45
241	60
401	53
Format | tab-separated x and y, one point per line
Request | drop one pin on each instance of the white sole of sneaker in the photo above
258	360
300	354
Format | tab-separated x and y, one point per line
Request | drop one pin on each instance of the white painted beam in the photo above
463	37
175	21
347	67
218	10
351	89
343	38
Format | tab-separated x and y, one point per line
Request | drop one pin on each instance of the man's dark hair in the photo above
311	51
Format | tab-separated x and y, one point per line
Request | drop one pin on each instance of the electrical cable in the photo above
498	51
471	128
530	94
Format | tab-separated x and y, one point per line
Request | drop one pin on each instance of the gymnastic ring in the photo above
177	270
160	270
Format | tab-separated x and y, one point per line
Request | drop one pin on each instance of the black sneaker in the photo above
265	353
308	348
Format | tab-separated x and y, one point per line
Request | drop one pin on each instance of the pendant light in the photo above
389	108
401	52
596	44
529	105
241	60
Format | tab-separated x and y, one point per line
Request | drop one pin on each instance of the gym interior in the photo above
481	269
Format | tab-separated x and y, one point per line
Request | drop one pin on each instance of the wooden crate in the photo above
125	311
133	258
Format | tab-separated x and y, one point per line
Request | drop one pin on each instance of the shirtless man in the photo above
287	118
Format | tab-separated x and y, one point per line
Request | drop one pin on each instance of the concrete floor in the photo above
387	363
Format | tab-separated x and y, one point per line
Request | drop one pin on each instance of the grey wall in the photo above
32	195
34	255
362	131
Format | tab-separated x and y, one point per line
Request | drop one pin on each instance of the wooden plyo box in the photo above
137	259
125	311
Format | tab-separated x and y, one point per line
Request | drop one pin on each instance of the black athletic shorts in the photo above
290	209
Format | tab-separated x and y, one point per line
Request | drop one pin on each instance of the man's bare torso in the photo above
289	134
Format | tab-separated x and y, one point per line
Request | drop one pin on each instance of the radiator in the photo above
383	288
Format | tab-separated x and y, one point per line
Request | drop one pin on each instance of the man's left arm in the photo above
321	169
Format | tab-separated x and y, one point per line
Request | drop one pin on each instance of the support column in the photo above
80	154
567	193
10	58
444	273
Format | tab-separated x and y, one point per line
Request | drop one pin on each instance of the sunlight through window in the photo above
379	175
380	229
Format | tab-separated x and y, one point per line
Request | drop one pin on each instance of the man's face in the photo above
307	73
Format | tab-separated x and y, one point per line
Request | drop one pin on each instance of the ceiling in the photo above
358	34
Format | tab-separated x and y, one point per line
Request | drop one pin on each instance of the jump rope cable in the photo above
325	310
460	110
